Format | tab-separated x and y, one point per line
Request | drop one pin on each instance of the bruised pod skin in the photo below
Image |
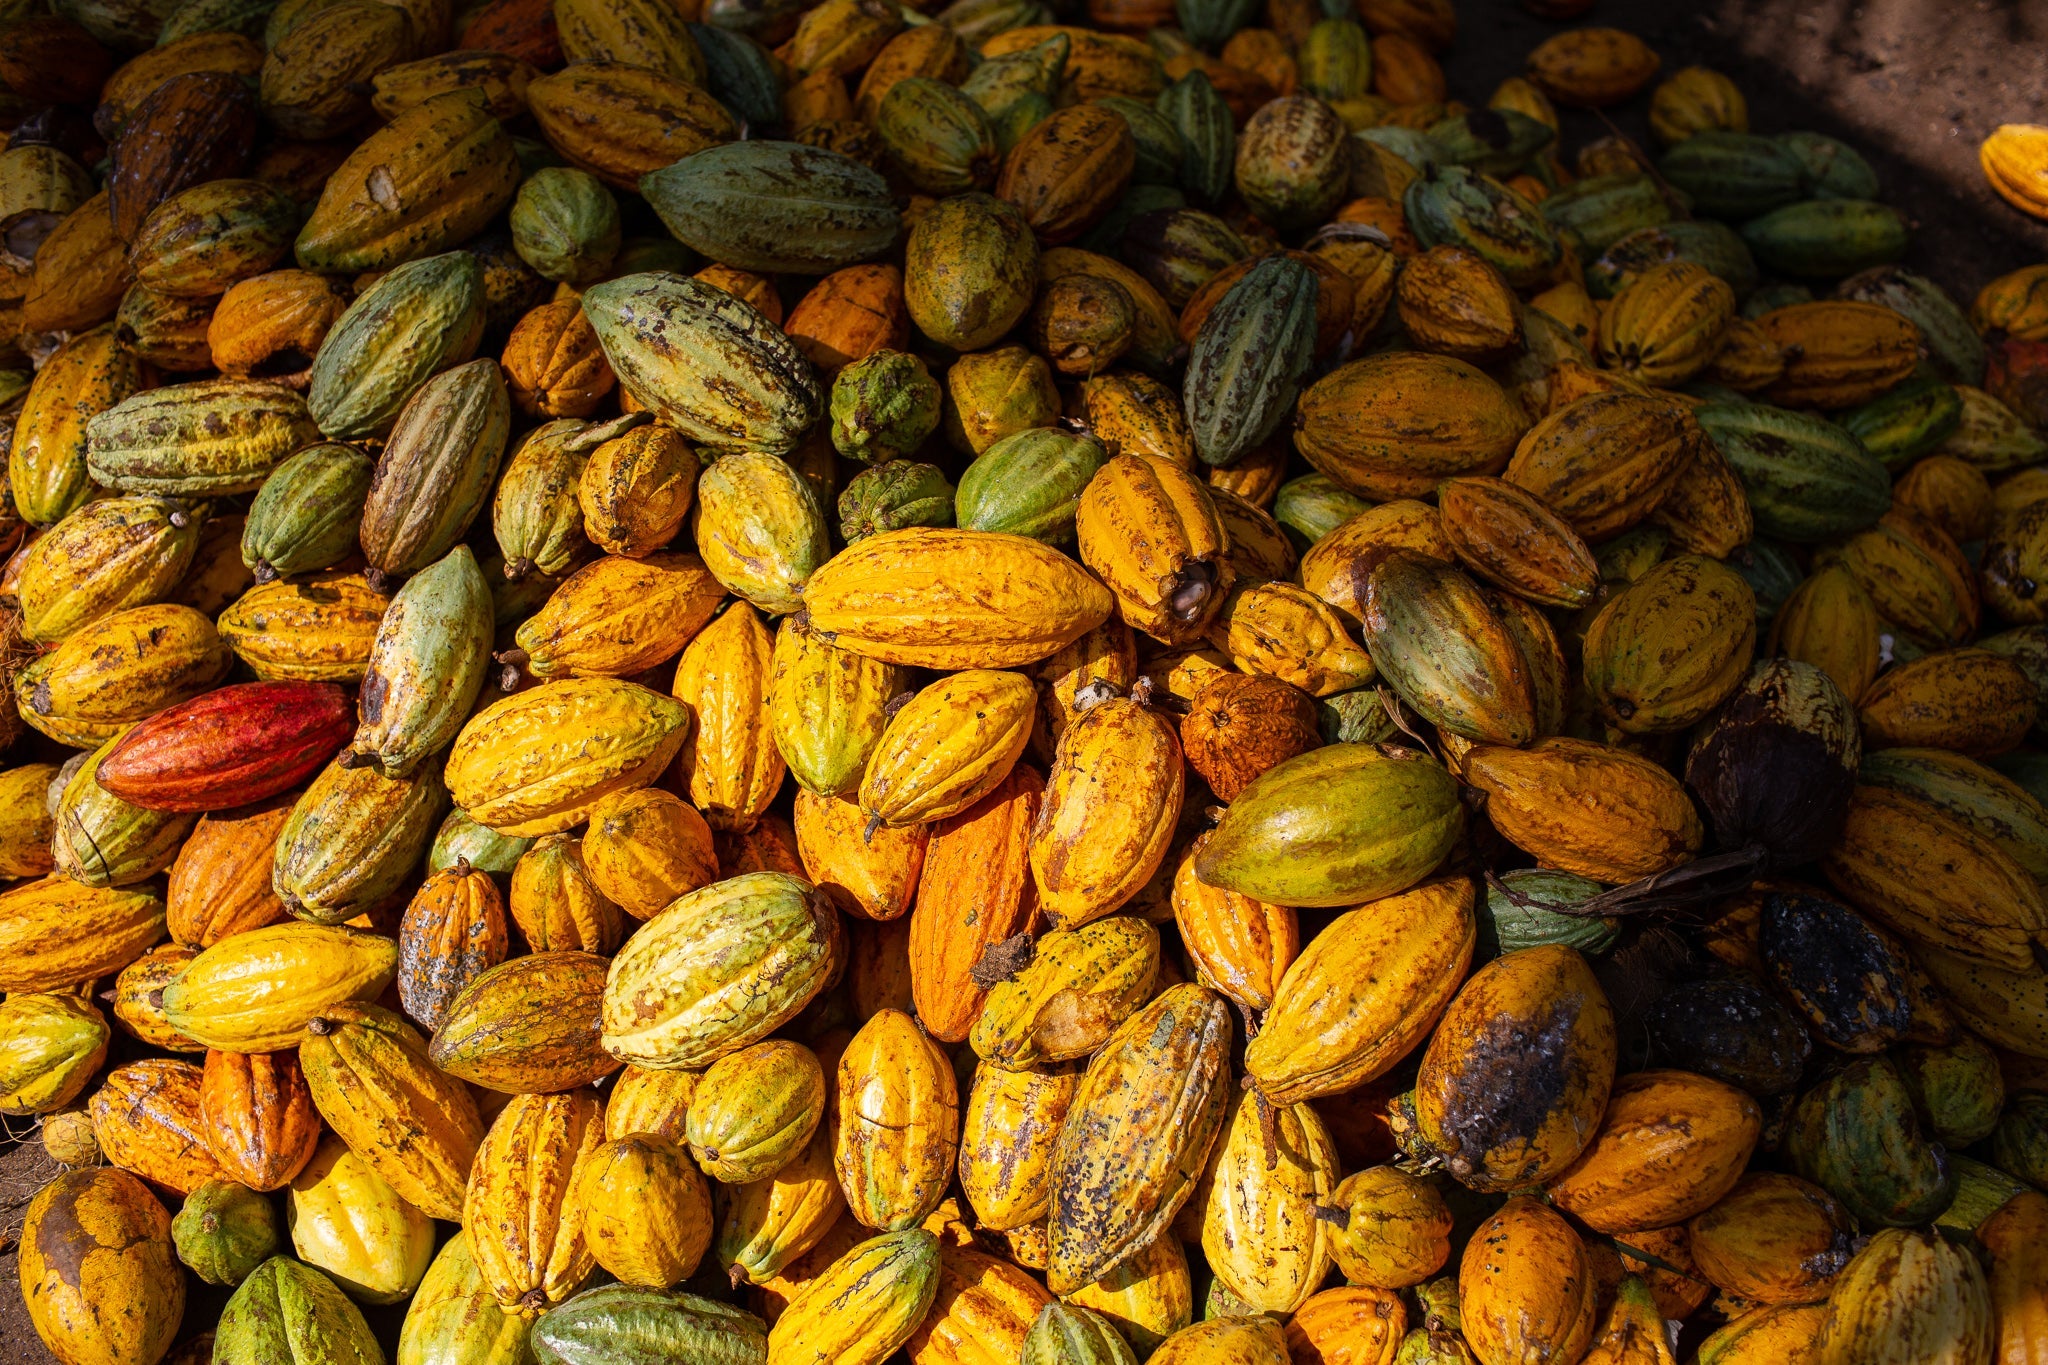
118	670
1138	1133
707	364
426	667
1112	802
452	933
1518	1073
98	1273
1151	531
1777	765
719	969
1364	993
1011	1123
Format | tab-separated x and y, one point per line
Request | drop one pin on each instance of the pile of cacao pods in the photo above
769	683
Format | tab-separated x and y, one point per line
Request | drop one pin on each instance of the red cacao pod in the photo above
237	744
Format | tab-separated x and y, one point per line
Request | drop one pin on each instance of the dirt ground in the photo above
1914	84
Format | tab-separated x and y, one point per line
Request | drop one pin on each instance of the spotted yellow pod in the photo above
769	1223
1287	632
755	1109
1012	1121
645	848
107	555
859	1309
949	746
759	528
899	1123
646	1101
827	707
1266	1181
1112	801
524	1227
1364	992
616	617
1138	1134
645	1209
537	761
729	761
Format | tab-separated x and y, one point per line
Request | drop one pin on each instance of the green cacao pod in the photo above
705	363
1704	242
1462	207
307	514
970	270
775	206
1597	212
1246	368
891	496
224	1231
1335	826
883	407
1029	484
635	1325
1733	175
1807	478
1857	1137
937	137
565	224
400	332
426	668
203	440
286	1313
1535	908
1827	238
1208	135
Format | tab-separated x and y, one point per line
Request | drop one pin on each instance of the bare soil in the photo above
1913	84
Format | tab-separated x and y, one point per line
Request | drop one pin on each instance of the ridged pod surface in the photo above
524	1230
1137	1134
898	1123
954	599
1909	1295
527	1026
705	363
719	969
1078	987
729	762
1112	801
259	991
1670	1145
1586	808
646	1210
951	745
353	838
1378	426
1272	1171
1294	837
1364	993
537	761
1442	645
57	932
1525	1288
863	1306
